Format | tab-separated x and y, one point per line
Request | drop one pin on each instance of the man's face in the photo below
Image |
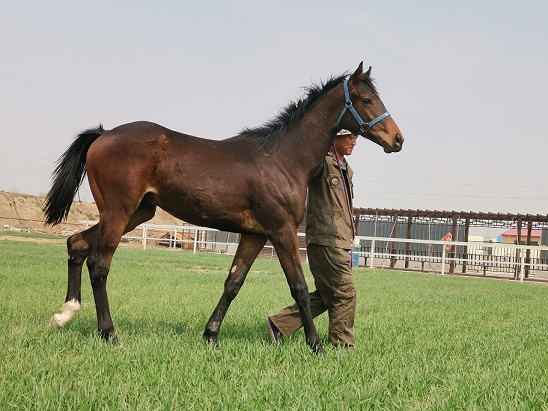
345	144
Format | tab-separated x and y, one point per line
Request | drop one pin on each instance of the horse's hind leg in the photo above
78	247
248	249
98	262
111	229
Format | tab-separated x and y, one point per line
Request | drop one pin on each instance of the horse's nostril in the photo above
399	139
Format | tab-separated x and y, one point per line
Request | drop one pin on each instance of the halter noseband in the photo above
364	127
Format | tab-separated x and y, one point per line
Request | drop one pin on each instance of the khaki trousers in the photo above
335	293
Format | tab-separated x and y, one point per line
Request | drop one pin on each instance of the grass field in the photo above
424	342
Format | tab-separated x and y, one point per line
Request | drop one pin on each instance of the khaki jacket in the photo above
328	219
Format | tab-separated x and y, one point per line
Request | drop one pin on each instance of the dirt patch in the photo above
23	212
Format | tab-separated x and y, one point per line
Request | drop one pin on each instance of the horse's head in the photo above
363	102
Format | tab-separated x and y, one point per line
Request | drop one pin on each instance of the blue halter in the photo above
364	127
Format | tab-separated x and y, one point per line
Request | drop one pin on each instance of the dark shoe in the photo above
275	334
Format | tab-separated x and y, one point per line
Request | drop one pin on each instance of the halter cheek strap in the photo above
364	127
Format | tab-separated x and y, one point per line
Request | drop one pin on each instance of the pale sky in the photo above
466	81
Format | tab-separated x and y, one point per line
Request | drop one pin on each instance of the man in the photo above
330	239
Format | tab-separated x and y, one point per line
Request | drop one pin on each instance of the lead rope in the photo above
348	203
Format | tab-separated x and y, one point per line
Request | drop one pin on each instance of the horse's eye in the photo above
367	101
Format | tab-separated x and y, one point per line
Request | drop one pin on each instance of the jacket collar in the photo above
334	160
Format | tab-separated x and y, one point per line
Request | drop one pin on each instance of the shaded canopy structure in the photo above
457	219
475	219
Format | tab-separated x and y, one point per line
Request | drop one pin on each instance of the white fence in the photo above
189	237
516	258
508	258
184	237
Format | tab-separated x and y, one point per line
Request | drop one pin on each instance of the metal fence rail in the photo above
194	238
516	261
184	237
519	260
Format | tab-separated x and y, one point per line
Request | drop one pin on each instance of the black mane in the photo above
273	130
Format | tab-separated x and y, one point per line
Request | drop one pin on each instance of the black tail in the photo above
68	175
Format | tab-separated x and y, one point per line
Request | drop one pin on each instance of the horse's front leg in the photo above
287	247
248	249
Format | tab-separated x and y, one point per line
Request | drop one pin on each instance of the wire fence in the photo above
444	257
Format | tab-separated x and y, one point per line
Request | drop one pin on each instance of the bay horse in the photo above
254	183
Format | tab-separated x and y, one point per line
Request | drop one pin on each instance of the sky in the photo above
466	82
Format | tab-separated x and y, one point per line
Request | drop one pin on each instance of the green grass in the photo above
424	342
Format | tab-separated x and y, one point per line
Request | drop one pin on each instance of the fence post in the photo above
195	241
408	244
144	241
443	260
394	235
372	254
522	261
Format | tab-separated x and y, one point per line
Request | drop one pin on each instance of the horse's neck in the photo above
307	145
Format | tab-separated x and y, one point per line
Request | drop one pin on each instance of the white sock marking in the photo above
68	310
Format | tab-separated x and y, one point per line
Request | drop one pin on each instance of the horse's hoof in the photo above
109	336
68	309
56	321
212	341
318	350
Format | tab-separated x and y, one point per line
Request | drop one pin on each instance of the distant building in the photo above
511	236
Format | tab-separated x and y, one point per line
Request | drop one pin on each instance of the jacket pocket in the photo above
324	221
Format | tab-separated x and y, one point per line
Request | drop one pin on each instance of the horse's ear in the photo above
358	71
359	74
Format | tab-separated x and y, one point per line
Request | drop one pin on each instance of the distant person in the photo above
329	239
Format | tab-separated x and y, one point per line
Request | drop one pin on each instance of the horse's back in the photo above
137	132
149	136
183	174
139	141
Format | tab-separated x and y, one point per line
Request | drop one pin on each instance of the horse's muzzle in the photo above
396	146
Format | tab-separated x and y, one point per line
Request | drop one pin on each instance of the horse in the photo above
254	183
